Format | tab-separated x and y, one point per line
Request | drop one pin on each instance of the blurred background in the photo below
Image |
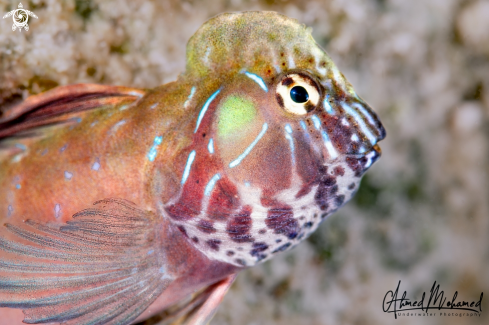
422	212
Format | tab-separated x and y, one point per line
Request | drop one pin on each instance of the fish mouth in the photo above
373	153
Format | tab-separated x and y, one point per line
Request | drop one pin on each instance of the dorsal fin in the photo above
53	106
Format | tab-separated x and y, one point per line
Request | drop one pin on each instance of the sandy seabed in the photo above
422	212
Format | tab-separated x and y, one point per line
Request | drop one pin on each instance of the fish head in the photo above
281	139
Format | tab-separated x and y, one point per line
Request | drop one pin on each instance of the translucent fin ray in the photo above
105	267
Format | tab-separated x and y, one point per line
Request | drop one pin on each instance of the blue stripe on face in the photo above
204	109
329	146
317	122
304	127
365	113
210	186
361	123
238	160
327	142
257	79
327	105
188	165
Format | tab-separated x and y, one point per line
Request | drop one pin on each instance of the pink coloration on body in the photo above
119	203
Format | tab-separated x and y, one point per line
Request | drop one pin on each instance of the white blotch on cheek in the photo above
344	122
63	148
354	138
206	56
153	106
118	125
288	136
68	175
210	146
96	165
189	98
291	62
10	211
136	93
317	57
57	211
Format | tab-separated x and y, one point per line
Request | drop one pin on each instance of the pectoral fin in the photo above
104	267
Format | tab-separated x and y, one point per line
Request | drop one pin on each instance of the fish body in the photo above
238	160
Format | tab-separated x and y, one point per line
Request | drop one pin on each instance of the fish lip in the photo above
382	133
375	148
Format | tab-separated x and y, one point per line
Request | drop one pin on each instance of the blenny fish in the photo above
119	203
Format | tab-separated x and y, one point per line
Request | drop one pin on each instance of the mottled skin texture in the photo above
231	170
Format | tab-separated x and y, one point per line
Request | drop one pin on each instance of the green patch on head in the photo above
235	114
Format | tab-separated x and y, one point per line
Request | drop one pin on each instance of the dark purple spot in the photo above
195	240
287	81
351	186
278	240
282	248
308	224
258	248
240	261
182	230
229	253
334	189
239	226
357	165
281	220
339	200
213	244
302	218
339	171
262	231
328	180
206	226
280	100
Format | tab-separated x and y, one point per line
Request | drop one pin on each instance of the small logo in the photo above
20	17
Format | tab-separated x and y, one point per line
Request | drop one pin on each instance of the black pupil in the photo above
299	94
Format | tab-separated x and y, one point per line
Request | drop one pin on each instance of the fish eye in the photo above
297	94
